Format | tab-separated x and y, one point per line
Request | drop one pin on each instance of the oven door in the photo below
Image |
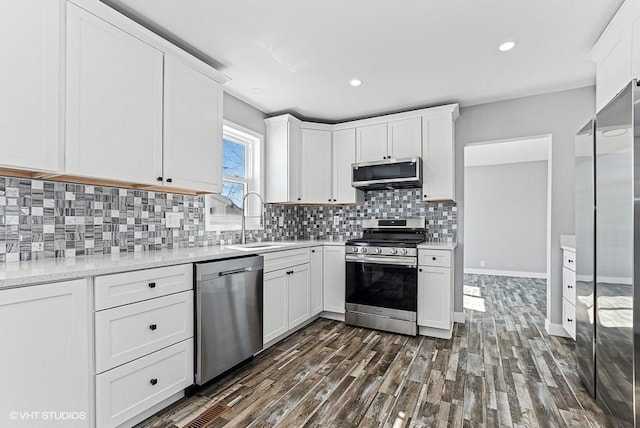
383	282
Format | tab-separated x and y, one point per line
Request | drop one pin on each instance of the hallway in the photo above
499	369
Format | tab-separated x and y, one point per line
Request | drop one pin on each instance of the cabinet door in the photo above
434	297
29	82
438	158
405	138
114	102
315	157
317	275
334	279
192	128
299	295
344	154
371	143
275	305
46	352
569	318
295	164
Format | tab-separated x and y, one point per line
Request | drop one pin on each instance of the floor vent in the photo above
206	418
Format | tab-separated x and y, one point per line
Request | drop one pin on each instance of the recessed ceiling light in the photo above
355	82
508	45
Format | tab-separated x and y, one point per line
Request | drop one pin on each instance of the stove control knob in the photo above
364	250
378	250
394	251
403	251
354	249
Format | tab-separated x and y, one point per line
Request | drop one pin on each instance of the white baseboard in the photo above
555	329
510	273
459	317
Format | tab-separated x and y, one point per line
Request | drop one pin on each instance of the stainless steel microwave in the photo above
387	174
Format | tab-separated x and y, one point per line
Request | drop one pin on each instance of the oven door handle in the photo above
400	261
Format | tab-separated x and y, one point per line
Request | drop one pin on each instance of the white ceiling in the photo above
529	150
299	55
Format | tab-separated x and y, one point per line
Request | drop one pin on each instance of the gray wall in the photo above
243	114
506	217
560	114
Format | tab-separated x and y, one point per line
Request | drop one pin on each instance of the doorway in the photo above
507	188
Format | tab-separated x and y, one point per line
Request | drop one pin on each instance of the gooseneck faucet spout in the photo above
244	214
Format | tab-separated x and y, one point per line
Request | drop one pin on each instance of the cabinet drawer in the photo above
569	318
569	260
132	331
129	390
569	285
437	258
277	260
129	287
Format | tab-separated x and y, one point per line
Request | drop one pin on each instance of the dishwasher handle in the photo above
235	271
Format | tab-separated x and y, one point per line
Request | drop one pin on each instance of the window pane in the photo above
233	192
233	159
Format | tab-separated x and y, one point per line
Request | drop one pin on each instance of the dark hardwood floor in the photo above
499	369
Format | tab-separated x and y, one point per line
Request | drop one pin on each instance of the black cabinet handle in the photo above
299	199
424	196
433	258
159	178
329	200
153	381
152	285
570	261
419	270
569	286
569	320
153	327
169	180
313	251
334	200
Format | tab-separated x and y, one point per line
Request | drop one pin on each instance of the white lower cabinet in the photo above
286	301
45	333
275	303
317	279
128	390
334	279
569	317
299	289
435	293
144	349
569	292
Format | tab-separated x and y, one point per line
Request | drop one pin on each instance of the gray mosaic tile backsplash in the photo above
45	219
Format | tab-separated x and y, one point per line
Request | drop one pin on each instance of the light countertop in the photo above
438	246
62	269
568	242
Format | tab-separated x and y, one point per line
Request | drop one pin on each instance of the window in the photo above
241	173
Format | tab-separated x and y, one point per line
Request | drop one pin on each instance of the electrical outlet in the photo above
482	263
173	219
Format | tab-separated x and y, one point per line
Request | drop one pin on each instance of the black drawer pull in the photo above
153	327
169	180
433	258
569	320
159	178
153	381
152	285
419	270
569	286
570	261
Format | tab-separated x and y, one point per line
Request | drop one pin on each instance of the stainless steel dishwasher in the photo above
228	314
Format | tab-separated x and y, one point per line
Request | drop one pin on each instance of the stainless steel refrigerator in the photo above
585	254
617	172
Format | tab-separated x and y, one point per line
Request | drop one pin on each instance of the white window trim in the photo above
254	170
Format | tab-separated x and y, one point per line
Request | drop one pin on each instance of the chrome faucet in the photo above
244	217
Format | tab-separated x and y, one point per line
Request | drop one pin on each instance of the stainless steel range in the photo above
382	275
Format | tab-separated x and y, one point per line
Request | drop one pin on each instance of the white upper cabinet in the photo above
404	138
283	160
29	84
192	128
438	156
315	157
114	102
617	53
344	154
371	143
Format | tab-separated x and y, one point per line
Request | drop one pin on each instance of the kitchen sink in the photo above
259	246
